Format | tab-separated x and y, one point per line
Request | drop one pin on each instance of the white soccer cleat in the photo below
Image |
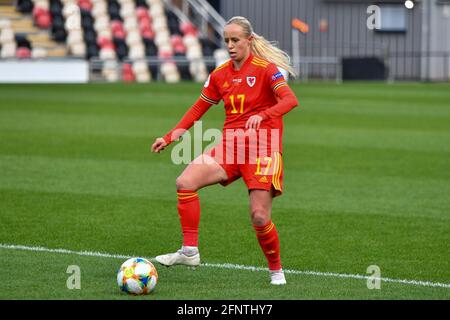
277	277
179	257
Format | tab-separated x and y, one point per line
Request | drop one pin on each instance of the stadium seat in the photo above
130	23
99	8
121	48
170	72
87	21
57	21
157	10
150	47
178	45
188	29
78	49
92	50
208	47
90	36
146	32
198	71
141	71
107	54
6	35
127	73
133	38
55	7
39	53
142	12
136	52
85	5
74	37
110	71
101	23
22	41
114	10
142	3
5	24
116	25
8	50
41	14
127	10
105	42
24	6
23	53
165	53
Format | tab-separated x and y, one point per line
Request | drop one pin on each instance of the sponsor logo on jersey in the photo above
207	82
251	81
225	85
237	80
276	76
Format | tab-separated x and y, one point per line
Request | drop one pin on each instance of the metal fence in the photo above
400	66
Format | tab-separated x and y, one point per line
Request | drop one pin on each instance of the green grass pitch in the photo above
367	182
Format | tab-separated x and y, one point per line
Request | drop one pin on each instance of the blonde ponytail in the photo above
269	51
264	48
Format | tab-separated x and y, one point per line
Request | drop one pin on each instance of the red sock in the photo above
268	240
189	213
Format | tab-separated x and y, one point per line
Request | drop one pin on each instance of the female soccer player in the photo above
255	96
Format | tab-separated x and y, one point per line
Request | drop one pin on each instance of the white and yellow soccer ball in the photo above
137	276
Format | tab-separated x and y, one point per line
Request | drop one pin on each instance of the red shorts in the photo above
262	172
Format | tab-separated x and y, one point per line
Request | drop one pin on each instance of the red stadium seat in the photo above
127	73
116	25
44	21
105	43
145	19
37	11
148	34
165	54
142	13
85	5
120	34
188	28
176	40
144	23
23	53
180	48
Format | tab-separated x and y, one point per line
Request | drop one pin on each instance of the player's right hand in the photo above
159	145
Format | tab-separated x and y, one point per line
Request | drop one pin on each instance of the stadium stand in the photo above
129	40
23	34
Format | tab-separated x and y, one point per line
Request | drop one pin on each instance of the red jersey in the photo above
258	88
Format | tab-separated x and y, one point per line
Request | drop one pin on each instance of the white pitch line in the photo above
231	266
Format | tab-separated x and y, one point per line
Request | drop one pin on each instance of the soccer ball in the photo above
137	276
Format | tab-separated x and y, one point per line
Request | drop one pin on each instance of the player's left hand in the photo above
254	122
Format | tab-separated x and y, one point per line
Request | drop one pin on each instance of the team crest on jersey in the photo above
251	81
